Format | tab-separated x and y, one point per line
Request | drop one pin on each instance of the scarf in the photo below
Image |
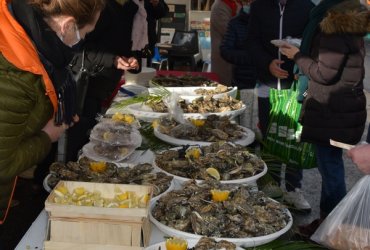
139	33
54	55
316	16
233	5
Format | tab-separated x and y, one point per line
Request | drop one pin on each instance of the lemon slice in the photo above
176	244
61	191
193	153
155	123
98	166
128	118
79	191
198	123
220	195
123	196
214	173
117	117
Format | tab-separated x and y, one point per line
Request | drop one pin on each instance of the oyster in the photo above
182	81
213	128
141	174
205	104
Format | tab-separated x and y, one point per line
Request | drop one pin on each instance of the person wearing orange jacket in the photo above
37	91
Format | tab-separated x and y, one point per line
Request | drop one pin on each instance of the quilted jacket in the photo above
335	105
27	102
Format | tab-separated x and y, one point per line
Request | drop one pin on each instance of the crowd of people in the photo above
60	59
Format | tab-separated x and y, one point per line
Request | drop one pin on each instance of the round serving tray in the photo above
145	113
162	245
181	179
188	93
244	141
245	242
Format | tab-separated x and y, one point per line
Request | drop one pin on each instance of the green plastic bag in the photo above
283	133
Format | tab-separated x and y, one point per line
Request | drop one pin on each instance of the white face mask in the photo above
78	37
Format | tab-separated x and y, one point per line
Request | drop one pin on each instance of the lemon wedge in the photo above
123	196
214	173
79	191
198	123
61	191
220	195
98	166
193	153
117	117
176	244
155	123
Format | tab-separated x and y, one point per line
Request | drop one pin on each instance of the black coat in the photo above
111	37
234	50
264	27
153	14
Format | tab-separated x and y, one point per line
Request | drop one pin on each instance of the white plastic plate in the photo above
247	139
245	242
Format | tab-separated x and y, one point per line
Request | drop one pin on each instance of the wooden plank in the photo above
50	245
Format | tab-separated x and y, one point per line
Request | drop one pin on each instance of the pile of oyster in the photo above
206	104
245	213
218	90
182	81
213	128
84	170
231	161
206	243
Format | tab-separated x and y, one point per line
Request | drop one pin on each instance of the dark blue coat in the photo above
233	49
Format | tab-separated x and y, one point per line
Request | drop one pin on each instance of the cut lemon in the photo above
123	196
214	173
220	195
155	123
198	123
117	117
193	153
143	201
61	191
128	118
79	191
98	166
176	244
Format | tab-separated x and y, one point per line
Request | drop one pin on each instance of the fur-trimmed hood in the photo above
347	17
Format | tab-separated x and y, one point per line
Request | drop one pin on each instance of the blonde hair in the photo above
83	11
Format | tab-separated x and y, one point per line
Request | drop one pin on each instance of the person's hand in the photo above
134	64
276	71
154	2
289	50
360	155
123	63
54	131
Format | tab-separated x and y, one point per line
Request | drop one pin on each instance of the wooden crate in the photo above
97	225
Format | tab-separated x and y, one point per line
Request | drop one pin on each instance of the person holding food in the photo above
331	57
270	20
38	91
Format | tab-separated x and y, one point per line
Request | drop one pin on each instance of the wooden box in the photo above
98	225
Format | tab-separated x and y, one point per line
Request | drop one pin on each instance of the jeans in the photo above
293	175
331	168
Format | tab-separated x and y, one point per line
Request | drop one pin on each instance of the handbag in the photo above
282	138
